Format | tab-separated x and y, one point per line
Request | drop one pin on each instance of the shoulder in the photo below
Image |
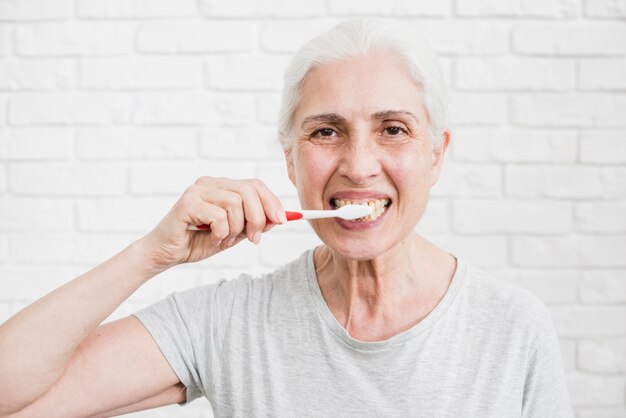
286	279
497	301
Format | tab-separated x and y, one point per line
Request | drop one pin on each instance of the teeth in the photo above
378	206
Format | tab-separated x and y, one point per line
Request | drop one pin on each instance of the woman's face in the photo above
362	135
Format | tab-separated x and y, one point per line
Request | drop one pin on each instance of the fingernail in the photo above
280	215
230	241
257	237
218	243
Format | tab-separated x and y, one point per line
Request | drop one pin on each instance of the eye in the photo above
323	132
395	130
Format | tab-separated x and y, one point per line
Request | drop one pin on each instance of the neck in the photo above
378	298
369	287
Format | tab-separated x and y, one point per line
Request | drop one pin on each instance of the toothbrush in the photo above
347	212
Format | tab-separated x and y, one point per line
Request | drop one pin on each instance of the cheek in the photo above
313	170
410	170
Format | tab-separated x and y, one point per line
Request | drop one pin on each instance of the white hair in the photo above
361	36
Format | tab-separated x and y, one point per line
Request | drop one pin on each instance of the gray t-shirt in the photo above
270	346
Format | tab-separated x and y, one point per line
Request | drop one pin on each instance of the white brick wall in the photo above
110	109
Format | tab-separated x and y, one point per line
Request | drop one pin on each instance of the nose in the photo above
360	161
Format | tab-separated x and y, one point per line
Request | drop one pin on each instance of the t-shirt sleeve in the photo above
189	328
545	388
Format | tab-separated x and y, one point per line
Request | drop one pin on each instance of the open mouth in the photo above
379	206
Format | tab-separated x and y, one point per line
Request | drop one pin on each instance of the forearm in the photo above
37	343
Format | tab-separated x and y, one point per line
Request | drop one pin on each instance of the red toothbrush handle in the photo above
291	216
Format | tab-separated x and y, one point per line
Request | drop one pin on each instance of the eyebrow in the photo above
337	118
389	113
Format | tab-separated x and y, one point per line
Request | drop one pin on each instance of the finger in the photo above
212	215
272	205
253	210
232	203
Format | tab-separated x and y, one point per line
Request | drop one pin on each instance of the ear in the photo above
439	151
290	167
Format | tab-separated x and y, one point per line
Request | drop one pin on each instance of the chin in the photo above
358	250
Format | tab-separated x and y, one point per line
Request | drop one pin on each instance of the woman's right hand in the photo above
234	209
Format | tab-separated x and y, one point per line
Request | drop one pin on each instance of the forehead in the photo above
358	87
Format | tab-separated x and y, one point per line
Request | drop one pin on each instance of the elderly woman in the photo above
376	322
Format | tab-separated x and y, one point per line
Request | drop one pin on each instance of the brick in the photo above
477	109
603	356
37	74
568	353
194	37
470	37
465	180
93	249
606	8
593	390
575	181
603	146
603	286
267	105
136	8
235	108
35	9
102	143
589	321
123	214
191	108
514	73
287	8
519	8
75	38
569	110
486	252
601	217
70	108
233	8
436	218
36	248
279	248
261	8
3	177
172	178
246	72
580	39
25	213
614	180
255	143
140	73
553	287
398	8
4	109
5	39
162	142
4	250
28	283
602	74
274	175
36	144
160	108
67	179
608	412
5	312
511	216
485	144
290	35
568	251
